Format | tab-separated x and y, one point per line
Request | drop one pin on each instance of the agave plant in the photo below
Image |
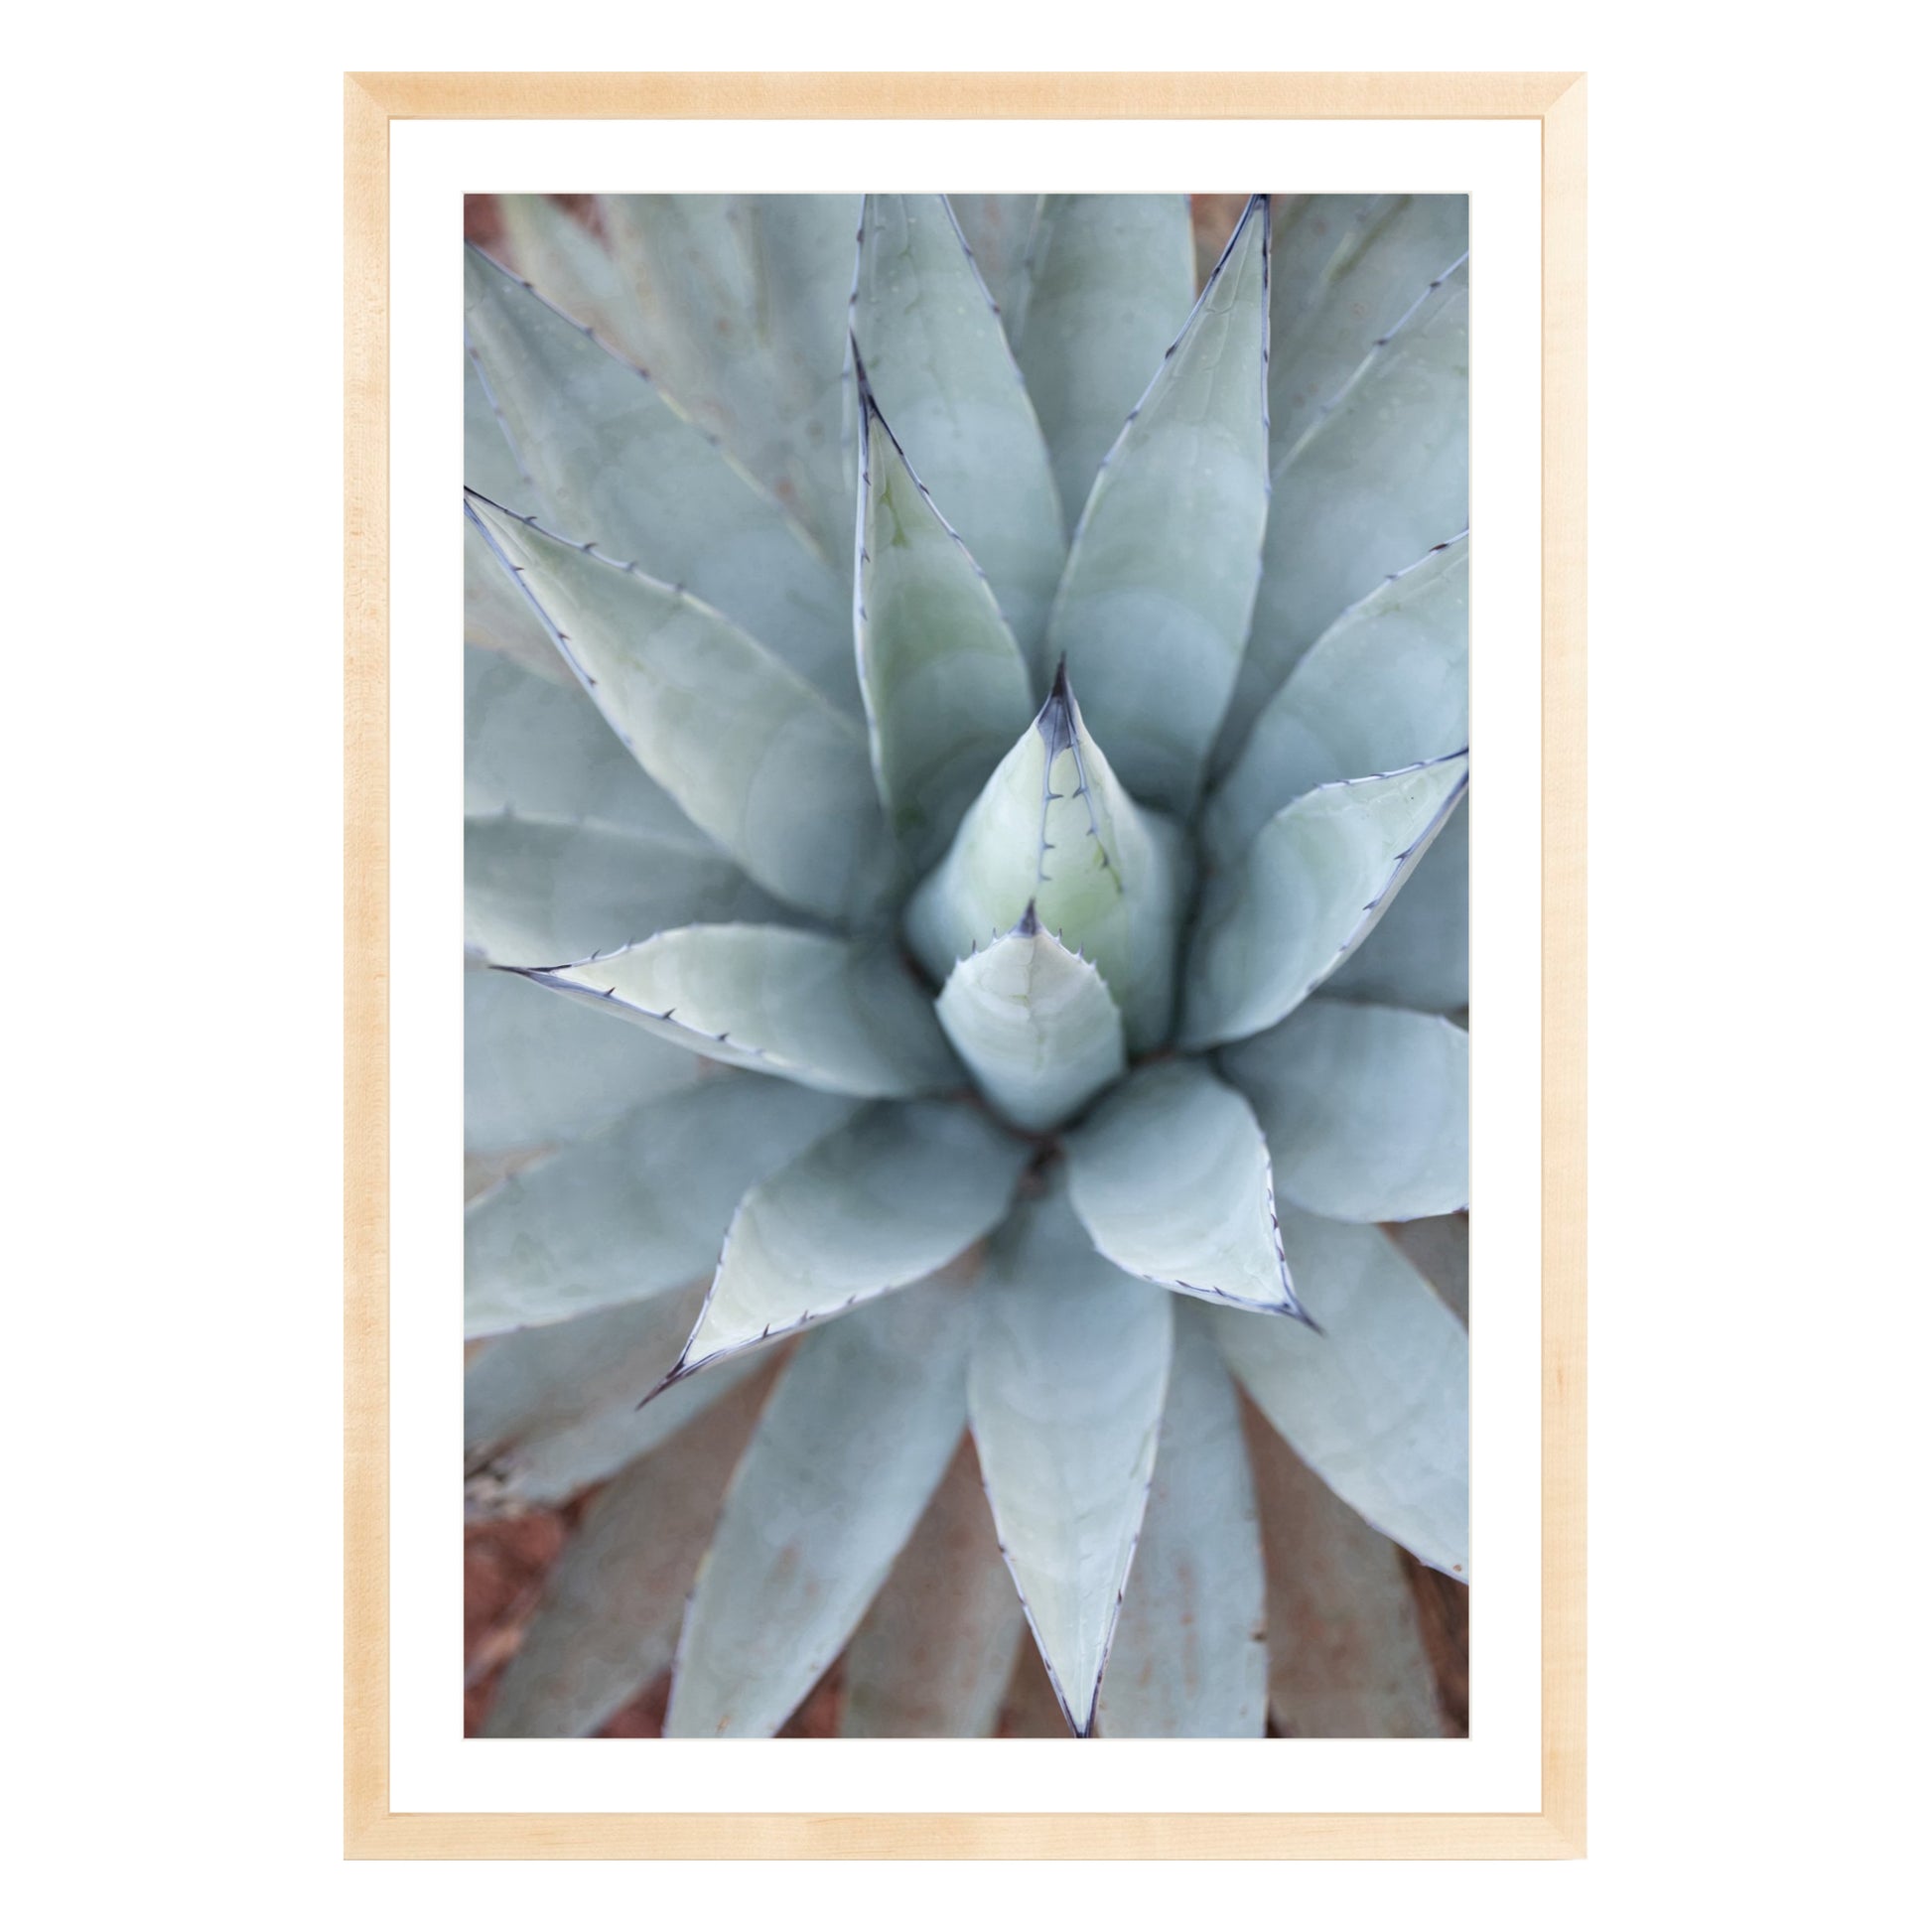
940	738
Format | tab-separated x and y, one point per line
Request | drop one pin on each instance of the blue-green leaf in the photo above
490	464
538	1070
802	253
1034	1025
1354	283
939	364
635	1211
571	270
1419	956
1385	686
828	1013
1170	1177
1366	1109
546	1411
753	755
1378	1403
847	1454
1110	285
541	891
542	750
615	464
609	1620
1152	615
1306	893
945	686
742	315
1068	1376
934	1653
998	229
1437	1248
886	1200
1053	829
1375	480
1189	1659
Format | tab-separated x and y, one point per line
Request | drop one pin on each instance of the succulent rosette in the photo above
967	944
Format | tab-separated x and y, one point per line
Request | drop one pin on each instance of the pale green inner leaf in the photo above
1170	1177
886	1200
1035	1026
1056	830
1366	1109
945	686
1153	612
1306	893
827	1013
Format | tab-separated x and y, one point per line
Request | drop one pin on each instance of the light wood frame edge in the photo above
371	1828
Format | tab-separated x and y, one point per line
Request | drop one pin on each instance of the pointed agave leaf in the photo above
1387	685
847	1454
1419	956
1056	830
1151	616
886	1200
1380	256
1036	1026
998	230
1068	1375
542	750
1345	1652
615	464
539	891
1306	893
538	1070
1110	284
688	258
572	271
1170	1177
802	248
741	304
610	1609
635	1211
546	1411
1375	480
1189	1658
945	688
934	1653
496	616
1366	1109
827	1013
1311	233
1378	1403
939	364
490	464
755	756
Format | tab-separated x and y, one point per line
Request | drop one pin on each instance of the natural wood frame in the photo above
372	100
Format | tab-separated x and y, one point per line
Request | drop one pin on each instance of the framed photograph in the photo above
940	1209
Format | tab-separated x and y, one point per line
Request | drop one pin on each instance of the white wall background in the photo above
1758	703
